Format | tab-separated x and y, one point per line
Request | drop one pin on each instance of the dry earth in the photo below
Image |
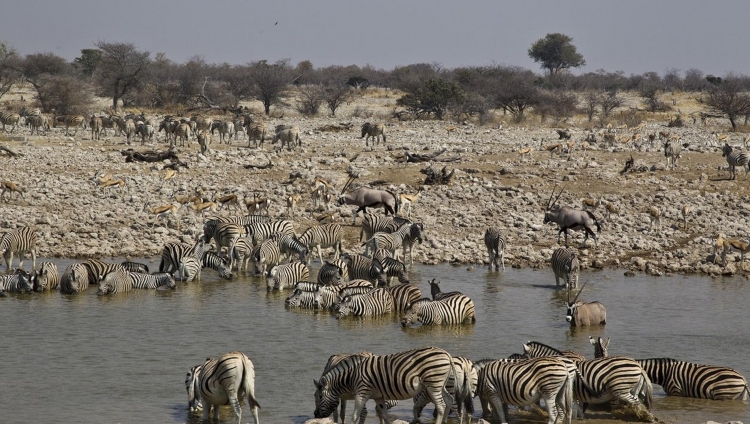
493	186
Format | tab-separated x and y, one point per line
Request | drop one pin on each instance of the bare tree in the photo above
608	102
728	98
310	99
122	68
270	82
9	68
336	95
591	101
65	94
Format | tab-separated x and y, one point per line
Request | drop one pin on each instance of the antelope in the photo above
112	183
590	203
685	213
581	314
229	199
102	178
183	200
11	187
718	245
202	207
655	216
568	218
737	245
256	204
366	197
161	211
552	148
320	195
611	209
291	202
405	200
526	151
322	182
169	174
451	129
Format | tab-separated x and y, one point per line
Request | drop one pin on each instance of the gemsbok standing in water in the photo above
568	218
581	314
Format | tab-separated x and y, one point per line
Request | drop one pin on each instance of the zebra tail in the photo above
647	390
248	384
466	394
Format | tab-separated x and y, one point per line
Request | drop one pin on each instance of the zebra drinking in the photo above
46	277
75	279
372	303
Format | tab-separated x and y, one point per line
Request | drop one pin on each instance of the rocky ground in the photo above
493	185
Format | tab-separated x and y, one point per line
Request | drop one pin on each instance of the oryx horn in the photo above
579	293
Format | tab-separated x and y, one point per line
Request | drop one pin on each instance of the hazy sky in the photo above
633	36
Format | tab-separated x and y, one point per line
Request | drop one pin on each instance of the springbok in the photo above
568	218
406	200
161	212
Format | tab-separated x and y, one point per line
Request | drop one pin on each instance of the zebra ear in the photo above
317	383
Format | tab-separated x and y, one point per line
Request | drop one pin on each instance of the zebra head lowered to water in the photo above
568	218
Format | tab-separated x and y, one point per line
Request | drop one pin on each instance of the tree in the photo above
9	68
270	82
591	101
122	69
38	69
88	62
728	97
311	98
515	92
608	102
65	94
337	94
556	52
436	95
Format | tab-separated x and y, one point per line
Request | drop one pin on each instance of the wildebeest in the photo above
568	218
581	314
366	197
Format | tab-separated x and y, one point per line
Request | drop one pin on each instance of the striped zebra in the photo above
38	122
320	236
301	299
392	268
536	350
372	303
461	386
372	224
172	254
494	240
437	293
687	379
215	262
265	256
400	376
9	118
734	159
189	269
374	131
365	268
209	227
262	231
95	123
404	295
226	235
290	136
74	121
18	282
403	238
326	297
135	267
453	310
115	282
242	253
152	281
672	152
226	381
75	279
46	277
520	383
20	240
333	272
289	245
565	265
98	269
604	379
193	388
256	131
287	276
336	384
601	347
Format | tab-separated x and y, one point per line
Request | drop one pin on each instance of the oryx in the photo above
571	219
581	314
366	197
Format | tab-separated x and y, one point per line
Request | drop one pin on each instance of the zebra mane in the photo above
530	345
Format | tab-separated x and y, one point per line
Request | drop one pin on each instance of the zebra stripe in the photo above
601	347
364	268
266	255
46	277
461	386
565	265
687	379
114	282
255	131
333	272
152	281
18	282
453	310
193	388
287	276
392	268
404	238
289	245
189	270
20	240
98	269
9	118
735	159
372	303
242	253
403	375
320	236
672	152
75	279
215	262
372	224
172	254
301	298
226	235
372	130
404	295
494	240
247	220
520	383
227	381
328	296
538	350
262	231
135	267
437	294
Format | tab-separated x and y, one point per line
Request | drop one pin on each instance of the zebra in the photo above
226	381
453	310
209	227
333	272
404	237
135	267
461	386
672	152
38	122
114	282
265	256
365	268
494	240
326	297
404	295
75	279
262	231
512	382
734	159
372	224
392	268
152	281
536	350
226	235
373	303
687	379
565	265
287	276
242	253
372	130
193	388
74	121
605	379
255	131
46	277
289	245
437	294
98	269
18	282
9	118
189	269
215	262
400	376
601	347
320	236
290	136
172	254
21	240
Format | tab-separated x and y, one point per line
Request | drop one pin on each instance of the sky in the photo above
632	36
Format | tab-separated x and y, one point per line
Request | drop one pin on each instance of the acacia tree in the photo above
436	95
9	68
122	69
555	52
729	98
270	82
39	69
608	102
514	92
88	62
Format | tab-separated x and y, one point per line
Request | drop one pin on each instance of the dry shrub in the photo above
362	112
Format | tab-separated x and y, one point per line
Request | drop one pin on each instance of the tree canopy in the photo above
555	52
